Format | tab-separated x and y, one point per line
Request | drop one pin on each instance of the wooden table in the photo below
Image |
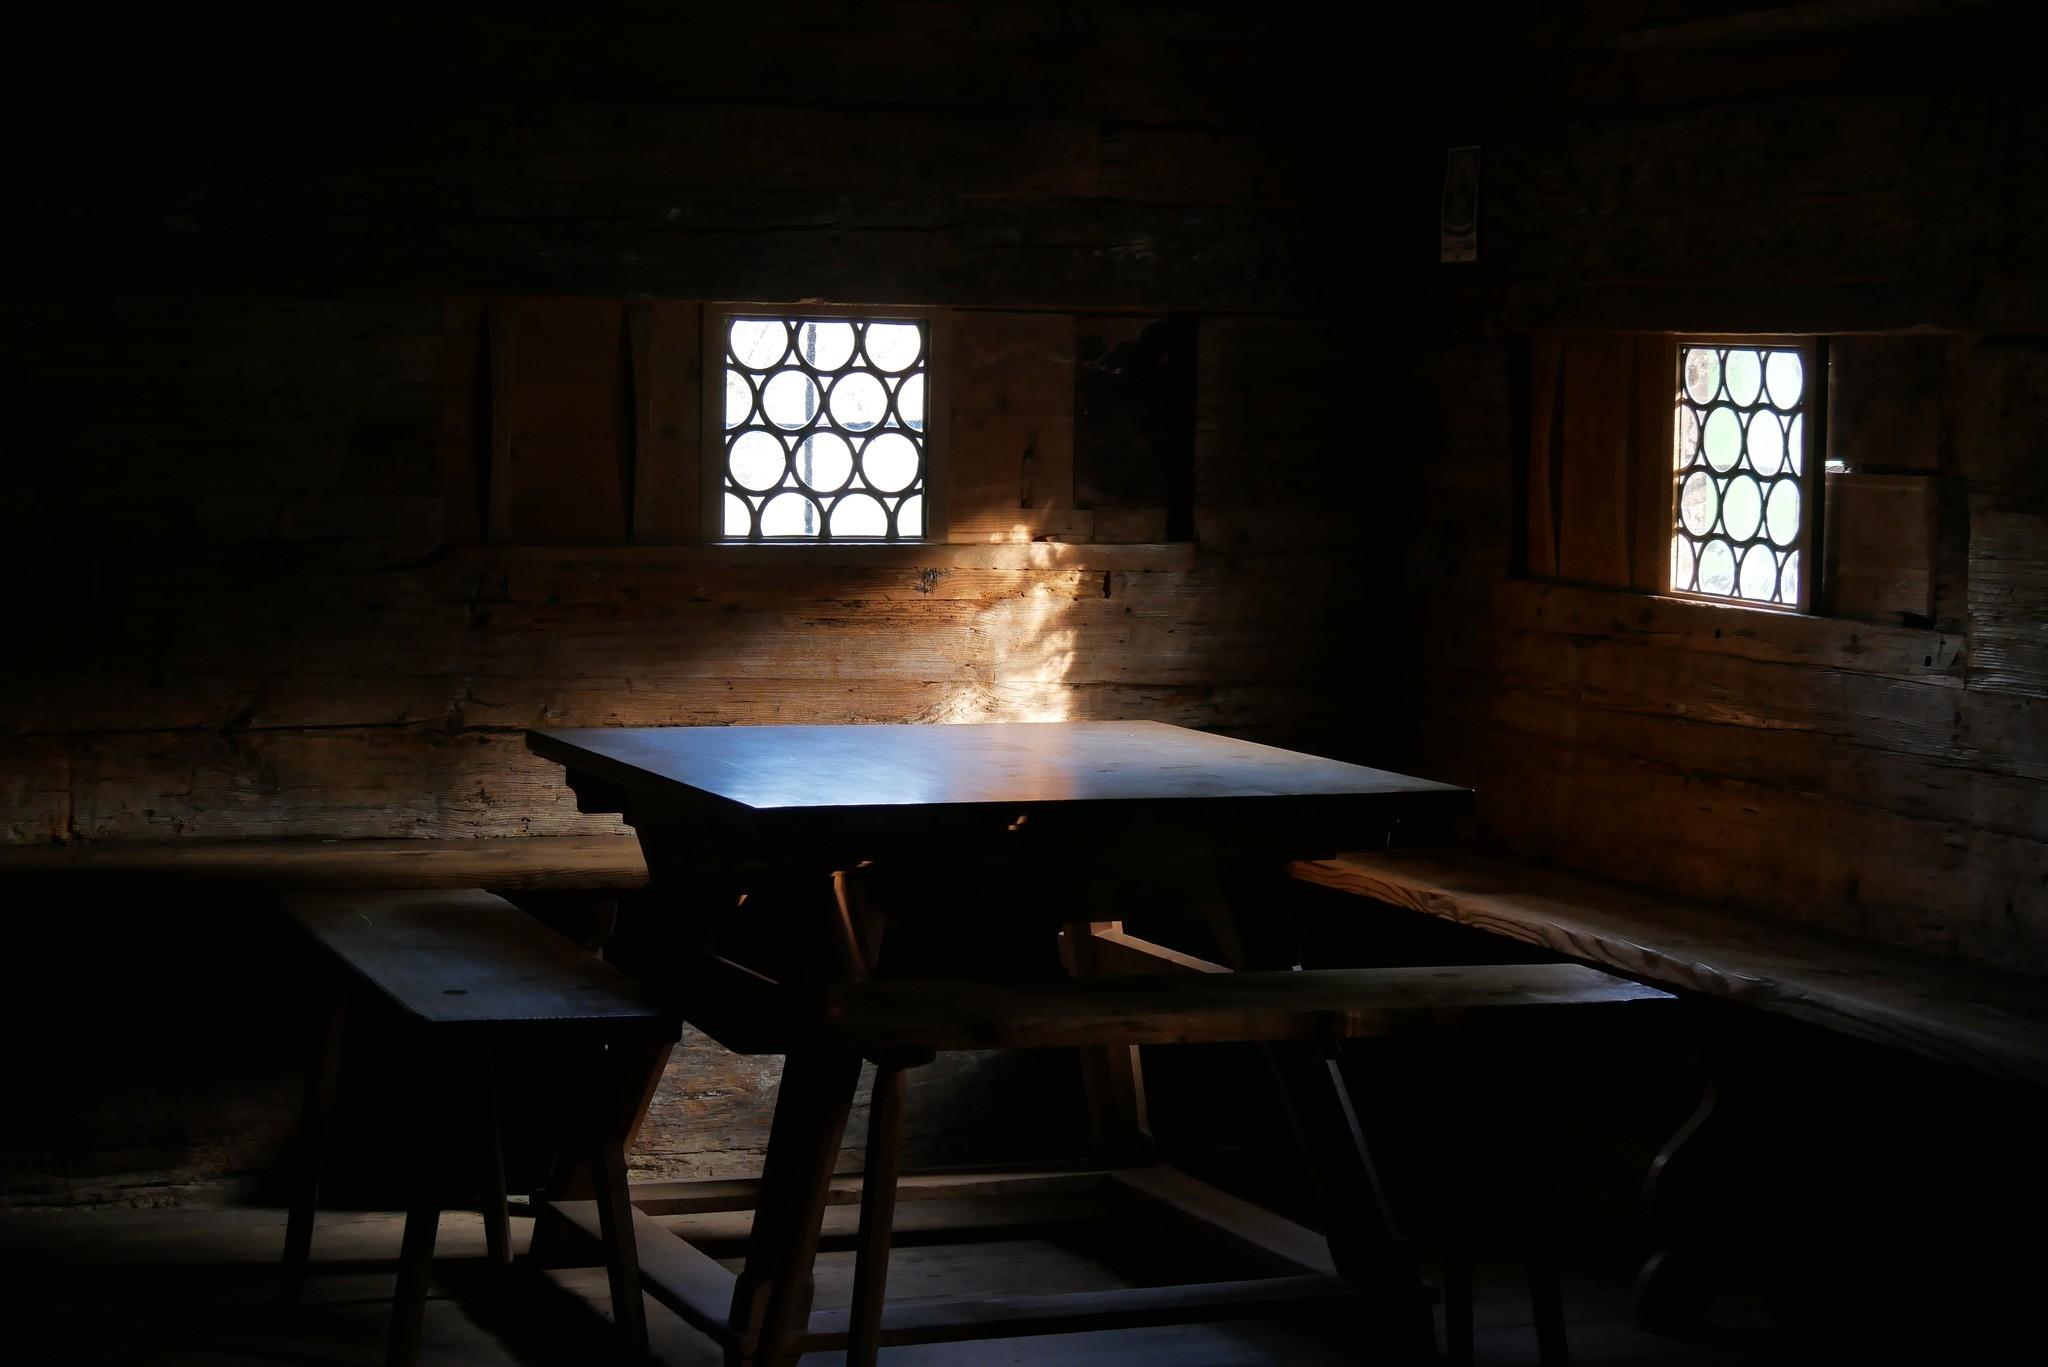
768	844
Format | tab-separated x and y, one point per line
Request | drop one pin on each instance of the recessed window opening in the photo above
825	426
1740	456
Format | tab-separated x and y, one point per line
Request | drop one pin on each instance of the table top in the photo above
1022	765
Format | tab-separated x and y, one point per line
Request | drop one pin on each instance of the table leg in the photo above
1112	1076
1362	1233
669	924
771	1302
310	1146
877	1211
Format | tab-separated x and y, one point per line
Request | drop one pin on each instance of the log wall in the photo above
1878	181
242	607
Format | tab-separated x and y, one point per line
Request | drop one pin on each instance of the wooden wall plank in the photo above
1652	484
466	416
558	428
1546	441
1012	443
1695	625
1597	459
769	146
316	702
1920	884
1879	545
2009	601
668	378
1885	402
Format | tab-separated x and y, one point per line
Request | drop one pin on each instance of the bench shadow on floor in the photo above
196	1288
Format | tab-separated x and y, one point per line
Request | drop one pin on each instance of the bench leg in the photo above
1697	1172
1363	1241
615	1219
1677	1281
311	1145
415	1266
771	1300
877	1213
497	1219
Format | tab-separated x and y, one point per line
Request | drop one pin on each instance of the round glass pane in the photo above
859	515
1702	374
1717	567
858	401
824	461
827	345
894	346
756	461
1686	445
1795	445
789	515
1723	438
790	399
1697	503
910	516
910	403
1788	579
739	398
1766	442
739	519
890	462
1759	573
1742	507
1745	375
1785	374
1781	512
1681	563
759	343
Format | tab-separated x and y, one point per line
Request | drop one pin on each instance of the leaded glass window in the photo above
1740	453
825	434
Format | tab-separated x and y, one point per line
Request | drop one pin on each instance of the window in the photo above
1742	447
827	430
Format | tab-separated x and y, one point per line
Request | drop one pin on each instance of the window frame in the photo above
1812	476
938	414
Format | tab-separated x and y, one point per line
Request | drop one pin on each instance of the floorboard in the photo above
193	1287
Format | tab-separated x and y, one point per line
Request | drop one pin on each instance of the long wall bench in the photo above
1945	1011
1735	1191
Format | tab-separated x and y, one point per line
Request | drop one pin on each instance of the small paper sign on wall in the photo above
1459	219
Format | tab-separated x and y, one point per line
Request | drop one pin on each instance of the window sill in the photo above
1729	628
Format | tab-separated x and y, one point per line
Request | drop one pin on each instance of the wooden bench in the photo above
1738	973
902	1024
1945	1011
471	976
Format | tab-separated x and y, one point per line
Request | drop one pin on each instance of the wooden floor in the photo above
194	1287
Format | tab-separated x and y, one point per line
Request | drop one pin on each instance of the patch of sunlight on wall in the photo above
1027	645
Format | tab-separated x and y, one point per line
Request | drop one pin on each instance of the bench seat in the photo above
470	960
1942	1010
1263	1007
